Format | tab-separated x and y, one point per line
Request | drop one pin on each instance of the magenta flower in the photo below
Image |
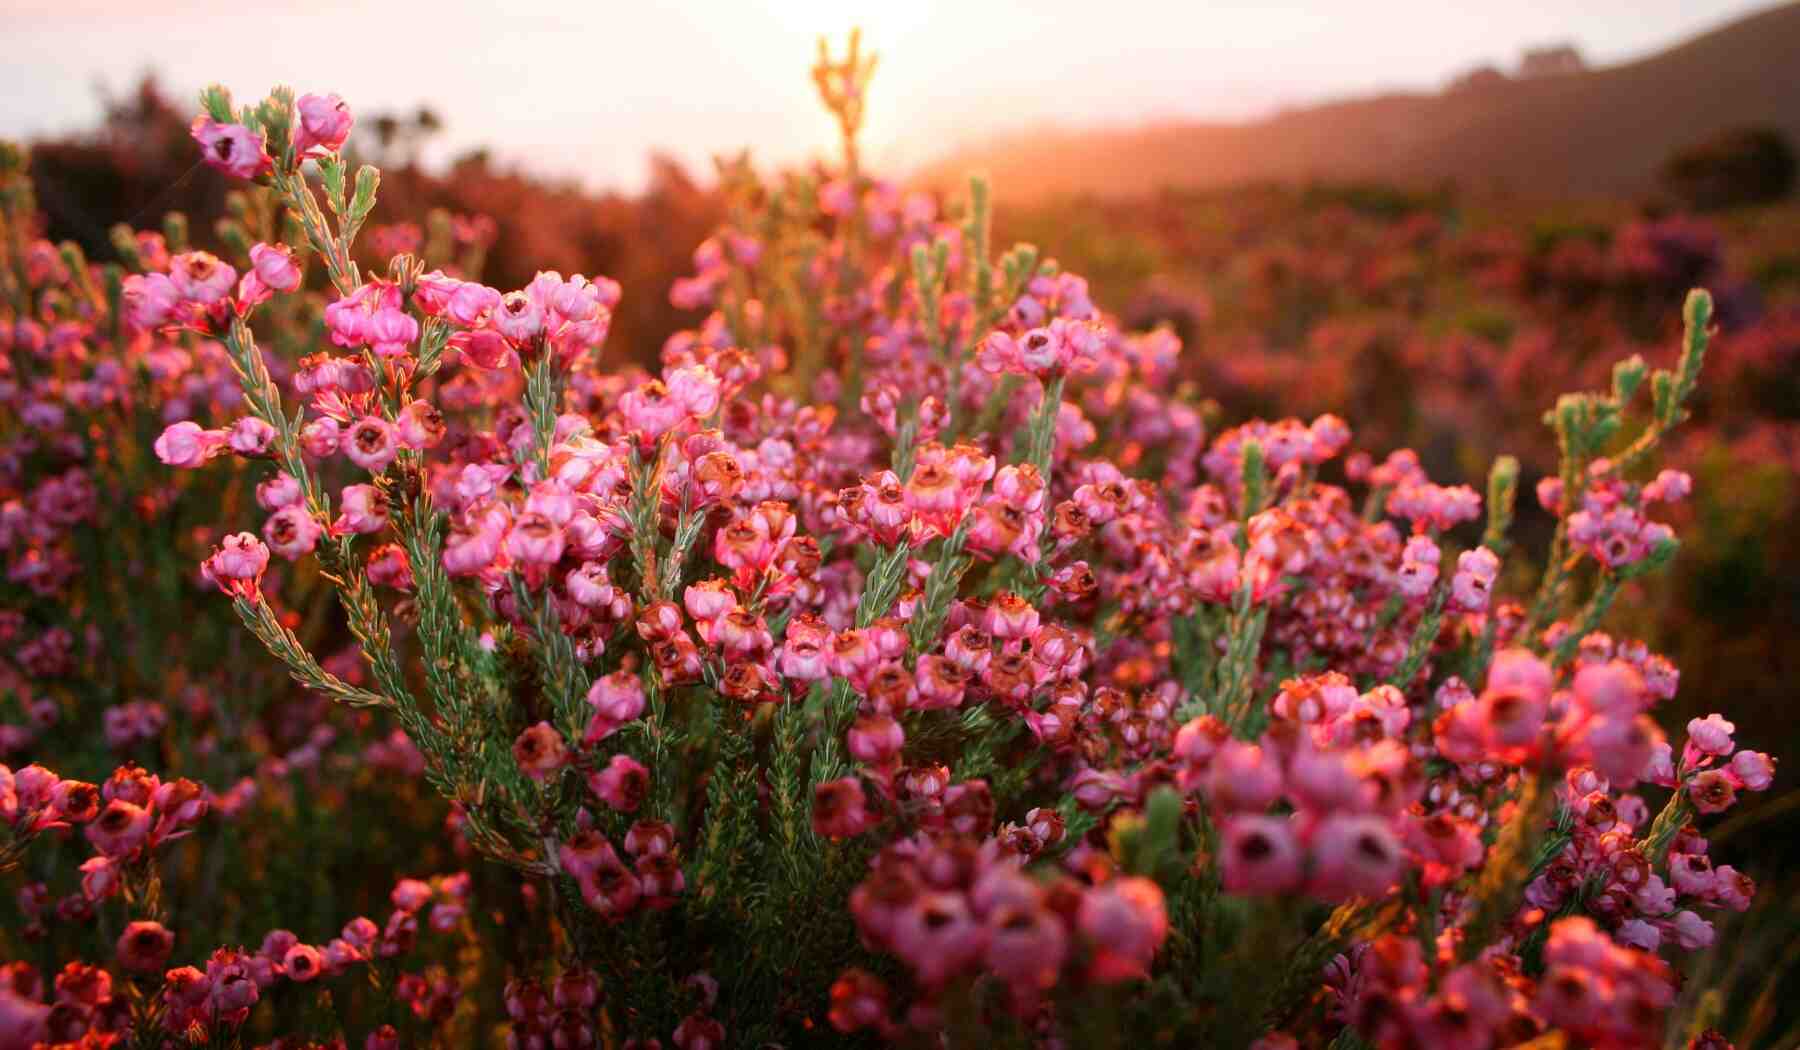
622	785
275	267
120	828
145	946
840	809
150	299
187	445
322	124
231	148
371	443
1125	922
292	532
540	751
362	509
201	277
1260	855
237	565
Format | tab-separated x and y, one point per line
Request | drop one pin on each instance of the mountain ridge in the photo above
1600	131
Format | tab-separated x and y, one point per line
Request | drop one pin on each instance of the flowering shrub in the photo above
902	662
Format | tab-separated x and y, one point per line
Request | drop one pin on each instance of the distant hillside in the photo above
1600	131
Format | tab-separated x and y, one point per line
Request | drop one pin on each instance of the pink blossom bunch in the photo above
1020	697
576	516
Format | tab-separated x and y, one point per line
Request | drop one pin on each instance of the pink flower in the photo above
292	532
805	655
323	123
1520	669
24	1021
1259	855
617	698
585	853
485	348
1692	874
1009	617
185	993
612	890
535	540
251	437
348	320
1026	942
1710	735
840	809
1244	777
388	567
553	501
589	586
1752	769
231	148
471	303
362	510
99	878
1126	922
420	425
360	932
1612	687
540	751
1354	856
696	388
1512	716
1621	747
707	602
1712	791
1473	583
470	549
1637	933
938	937
150	299
321	437
1691	931
237	565
392	332
623	784
233	989
145	946
410	894
1670	486
274	266
875	739
1733	888
652	409
302	963
858	1000
519	318
120	828
939	683
201	277
187	445
371	443
1418	567
432	292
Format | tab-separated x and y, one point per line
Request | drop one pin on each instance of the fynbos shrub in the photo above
902	662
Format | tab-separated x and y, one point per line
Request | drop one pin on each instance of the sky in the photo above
588	88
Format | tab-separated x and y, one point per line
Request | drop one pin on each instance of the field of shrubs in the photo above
795	609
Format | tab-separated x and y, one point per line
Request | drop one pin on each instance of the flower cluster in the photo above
1012	701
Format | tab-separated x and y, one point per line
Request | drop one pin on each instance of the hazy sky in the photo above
587	88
